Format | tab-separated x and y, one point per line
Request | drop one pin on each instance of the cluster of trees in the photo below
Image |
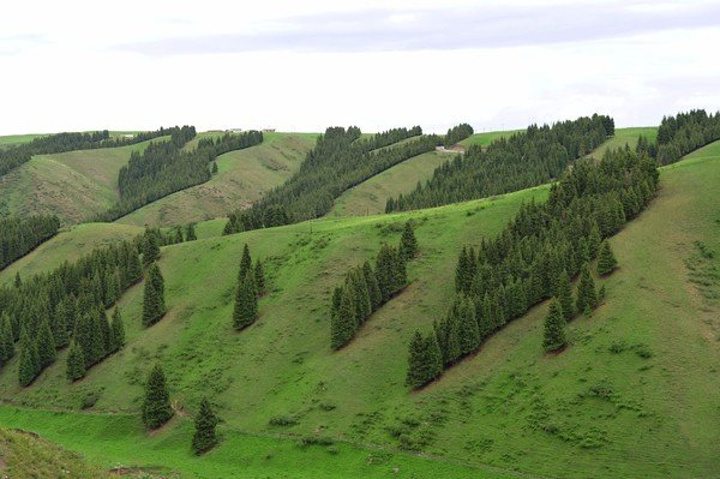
19	236
156	410
458	133
527	159
15	156
48	311
250	288
365	290
339	161
166	167
536	255
680	134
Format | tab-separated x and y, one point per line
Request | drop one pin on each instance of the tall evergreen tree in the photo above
190	234
343	324
156	408
373	289
416	355
433	357
565	296
75	367
7	341
29	362
45	344
205	436
469	333
555	336
408	242
586	294
153	296
59	325
151	248
606	259
245	263
246	302
117	329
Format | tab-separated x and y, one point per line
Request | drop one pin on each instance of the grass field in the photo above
625	136
12	140
75	185
369	197
485	138
243	177
634	396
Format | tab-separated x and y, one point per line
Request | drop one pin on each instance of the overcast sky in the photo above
303	66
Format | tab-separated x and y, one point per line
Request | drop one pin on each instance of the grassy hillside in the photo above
242	178
369	197
11	140
75	185
625	136
26	456
634	396
69	245
485	138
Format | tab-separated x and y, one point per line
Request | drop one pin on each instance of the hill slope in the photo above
634	396
242	178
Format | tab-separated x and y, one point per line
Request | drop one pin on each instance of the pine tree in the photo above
408	242
205	436
363	306
462	272
178	235
105	333
555	337
469	333
117	329
259	278
60	327
7	342
190	234
245	263
399	270
246	302
151	248
565	296
416	352
75	367
153	297
45	344
373	289
156	408
594	240
29	362
606	259
214	168
343	325
586	295
433	357
384	271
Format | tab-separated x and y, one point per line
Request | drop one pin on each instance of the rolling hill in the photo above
634	396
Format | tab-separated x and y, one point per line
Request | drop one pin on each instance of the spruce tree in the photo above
363	306
586	295
205	436
75	367
469	333
151	248
190	234
343	325
117	329
60	327
7	342
214	168
416	358
29	367
384	271
555	337
178	235
45	344
156	408
373	289
399	270
408	242
433	357
245	263
246	302
105	333
462	272
606	259
565	296
153	296
259	278
452	350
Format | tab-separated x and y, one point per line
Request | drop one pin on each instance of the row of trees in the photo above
156	410
250	288
15	156
19	236
339	161
680	134
166	167
527	159
536	255
94	339
365	290
457	133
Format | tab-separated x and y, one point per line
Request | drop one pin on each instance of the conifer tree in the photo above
384	271
399	270
555	337
361	295
373	289
151	248
606	259
433	361
408	242
190	234
60	327
586	295
468	331
153	296
594	240
565	297
45	344
214	168
245	263
246	302
105	333
205	436
343	325
259	278
415	373
7	342
75	367
117	329
452	349
178	235
156	408
29	362
462	272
